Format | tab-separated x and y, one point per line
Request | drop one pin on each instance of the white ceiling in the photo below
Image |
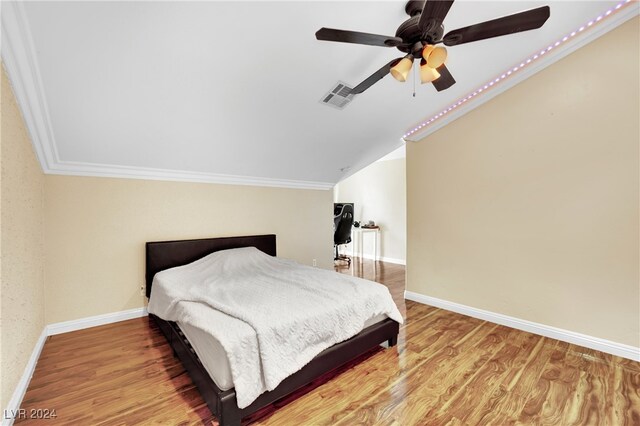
233	88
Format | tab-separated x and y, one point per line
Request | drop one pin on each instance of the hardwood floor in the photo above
447	369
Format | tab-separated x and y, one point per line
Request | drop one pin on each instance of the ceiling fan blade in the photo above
374	78
445	81
330	34
433	13
523	21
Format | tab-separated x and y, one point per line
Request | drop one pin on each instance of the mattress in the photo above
214	357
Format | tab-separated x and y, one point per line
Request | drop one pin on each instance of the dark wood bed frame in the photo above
167	254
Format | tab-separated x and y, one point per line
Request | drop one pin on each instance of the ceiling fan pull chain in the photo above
414	82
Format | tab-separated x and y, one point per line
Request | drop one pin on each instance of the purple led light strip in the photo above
515	69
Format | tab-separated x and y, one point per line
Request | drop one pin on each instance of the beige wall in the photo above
528	206
379	194
96	229
22	194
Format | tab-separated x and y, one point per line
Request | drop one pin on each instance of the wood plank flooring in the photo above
447	369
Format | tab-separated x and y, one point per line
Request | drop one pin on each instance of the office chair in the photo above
342	224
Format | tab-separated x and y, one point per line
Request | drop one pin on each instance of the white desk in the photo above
357	236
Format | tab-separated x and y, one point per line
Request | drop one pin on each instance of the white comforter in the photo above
296	311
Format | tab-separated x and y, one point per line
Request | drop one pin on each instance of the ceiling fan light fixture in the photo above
427	51
437	57
400	71
428	74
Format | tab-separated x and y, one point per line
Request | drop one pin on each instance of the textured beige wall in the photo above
22	194
379	193
528	206
96	229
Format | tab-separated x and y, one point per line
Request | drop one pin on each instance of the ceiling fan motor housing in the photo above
410	33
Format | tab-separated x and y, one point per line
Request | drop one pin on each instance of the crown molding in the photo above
69	168
22	68
626	13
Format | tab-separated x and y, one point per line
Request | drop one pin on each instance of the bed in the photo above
222	402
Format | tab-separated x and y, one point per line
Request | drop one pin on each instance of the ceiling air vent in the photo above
339	96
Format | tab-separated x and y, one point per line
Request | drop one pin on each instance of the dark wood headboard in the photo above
163	255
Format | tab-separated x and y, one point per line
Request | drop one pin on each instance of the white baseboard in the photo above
82	323
607	346
385	259
382	258
9	412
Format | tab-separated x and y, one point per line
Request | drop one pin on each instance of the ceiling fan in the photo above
419	35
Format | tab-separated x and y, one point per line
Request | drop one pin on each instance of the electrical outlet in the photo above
142	292
315	263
